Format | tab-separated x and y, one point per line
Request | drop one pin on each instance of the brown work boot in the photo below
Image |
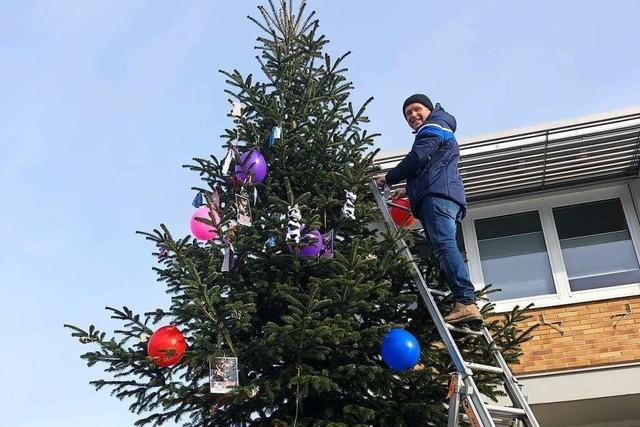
462	313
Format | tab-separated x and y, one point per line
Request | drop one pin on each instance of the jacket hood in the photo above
440	116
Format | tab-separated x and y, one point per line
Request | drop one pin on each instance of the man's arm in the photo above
419	156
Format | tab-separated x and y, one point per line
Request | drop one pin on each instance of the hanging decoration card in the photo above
276	133
243	210
327	245
223	374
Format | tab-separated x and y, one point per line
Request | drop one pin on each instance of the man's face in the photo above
416	114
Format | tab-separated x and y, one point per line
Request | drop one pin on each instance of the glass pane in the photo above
596	245
514	256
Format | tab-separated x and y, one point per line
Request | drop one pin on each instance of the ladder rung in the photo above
463	330
485	368
499	421
438	293
508	410
394	205
419	231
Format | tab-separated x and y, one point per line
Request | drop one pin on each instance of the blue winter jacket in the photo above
431	167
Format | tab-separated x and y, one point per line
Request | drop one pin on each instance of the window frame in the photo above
544	204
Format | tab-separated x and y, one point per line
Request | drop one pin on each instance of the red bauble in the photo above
166	346
402	217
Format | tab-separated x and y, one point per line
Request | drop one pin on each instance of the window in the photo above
557	248
596	245
514	256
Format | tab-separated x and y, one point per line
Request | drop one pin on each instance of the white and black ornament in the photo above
349	207
293	225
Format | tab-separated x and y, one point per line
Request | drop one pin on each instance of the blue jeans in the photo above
439	217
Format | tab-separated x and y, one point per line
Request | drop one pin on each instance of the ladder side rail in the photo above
476	417
466	392
480	407
454	403
512	387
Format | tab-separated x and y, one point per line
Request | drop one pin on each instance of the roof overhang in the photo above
562	154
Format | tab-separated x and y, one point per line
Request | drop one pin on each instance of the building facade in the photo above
553	220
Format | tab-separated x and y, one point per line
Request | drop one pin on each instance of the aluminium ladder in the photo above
462	388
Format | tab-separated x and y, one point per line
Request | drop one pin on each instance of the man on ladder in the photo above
436	194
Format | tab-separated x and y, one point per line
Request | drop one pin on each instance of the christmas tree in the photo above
305	327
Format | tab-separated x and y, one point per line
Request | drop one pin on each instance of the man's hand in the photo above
380	181
400	192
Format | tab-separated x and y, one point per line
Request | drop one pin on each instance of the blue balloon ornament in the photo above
400	349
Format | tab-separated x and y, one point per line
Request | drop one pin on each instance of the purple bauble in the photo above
251	163
313	243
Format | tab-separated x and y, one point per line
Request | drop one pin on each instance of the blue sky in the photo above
102	101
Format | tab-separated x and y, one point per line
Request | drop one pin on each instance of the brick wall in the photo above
589	338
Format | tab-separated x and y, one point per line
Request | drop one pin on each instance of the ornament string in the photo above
295	420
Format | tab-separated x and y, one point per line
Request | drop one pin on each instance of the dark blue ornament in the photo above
198	200
400	349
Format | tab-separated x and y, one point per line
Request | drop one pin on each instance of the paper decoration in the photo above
253	392
198	200
243	210
223	374
327	245
226	163
349	207
229	256
215	198
271	242
144	337
293	226
214	408
235	183
236	112
276	133
163	253
236	109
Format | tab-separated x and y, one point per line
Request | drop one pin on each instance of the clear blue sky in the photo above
102	101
